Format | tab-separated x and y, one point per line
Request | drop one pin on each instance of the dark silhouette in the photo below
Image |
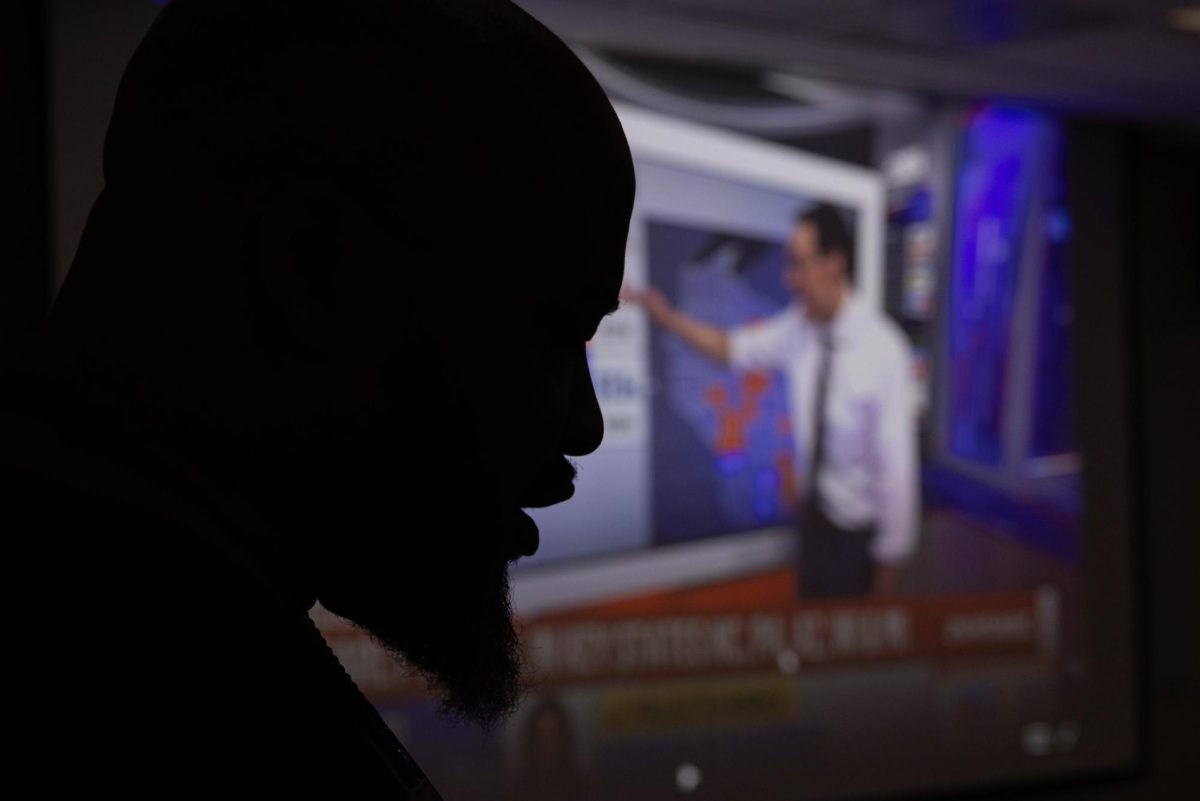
323	339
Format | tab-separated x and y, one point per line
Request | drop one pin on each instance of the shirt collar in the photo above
848	321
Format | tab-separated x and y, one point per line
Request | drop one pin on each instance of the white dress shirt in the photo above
869	472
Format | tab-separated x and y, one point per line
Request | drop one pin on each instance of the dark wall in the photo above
1166	164
1149	176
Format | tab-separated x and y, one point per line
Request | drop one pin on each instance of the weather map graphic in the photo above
723	448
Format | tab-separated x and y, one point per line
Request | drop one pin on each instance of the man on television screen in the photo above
851	394
323	340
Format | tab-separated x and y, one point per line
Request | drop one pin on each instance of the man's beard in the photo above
433	593
451	620
467	648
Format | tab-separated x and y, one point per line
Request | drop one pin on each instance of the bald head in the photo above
372	95
269	158
344	268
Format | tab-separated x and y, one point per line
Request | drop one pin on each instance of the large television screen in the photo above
675	652
678	643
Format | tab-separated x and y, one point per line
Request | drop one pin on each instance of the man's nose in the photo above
585	425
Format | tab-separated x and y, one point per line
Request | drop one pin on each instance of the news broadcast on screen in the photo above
673	645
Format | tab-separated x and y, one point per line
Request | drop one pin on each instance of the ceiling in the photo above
1118	57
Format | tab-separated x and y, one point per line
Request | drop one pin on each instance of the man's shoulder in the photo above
787	321
129	580
882	334
148	656
129	616
767	342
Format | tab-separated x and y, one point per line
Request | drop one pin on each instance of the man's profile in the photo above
323	339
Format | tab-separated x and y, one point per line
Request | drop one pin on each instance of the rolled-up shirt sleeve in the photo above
764	344
899	478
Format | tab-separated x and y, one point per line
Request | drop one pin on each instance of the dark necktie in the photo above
819	409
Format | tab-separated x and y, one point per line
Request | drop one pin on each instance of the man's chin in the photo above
485	694
461	640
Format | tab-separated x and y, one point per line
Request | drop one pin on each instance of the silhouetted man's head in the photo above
344	266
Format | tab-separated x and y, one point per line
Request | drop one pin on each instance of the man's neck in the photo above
121	435
827	316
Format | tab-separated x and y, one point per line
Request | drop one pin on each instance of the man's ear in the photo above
302	237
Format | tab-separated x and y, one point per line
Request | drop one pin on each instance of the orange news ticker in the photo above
745	626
